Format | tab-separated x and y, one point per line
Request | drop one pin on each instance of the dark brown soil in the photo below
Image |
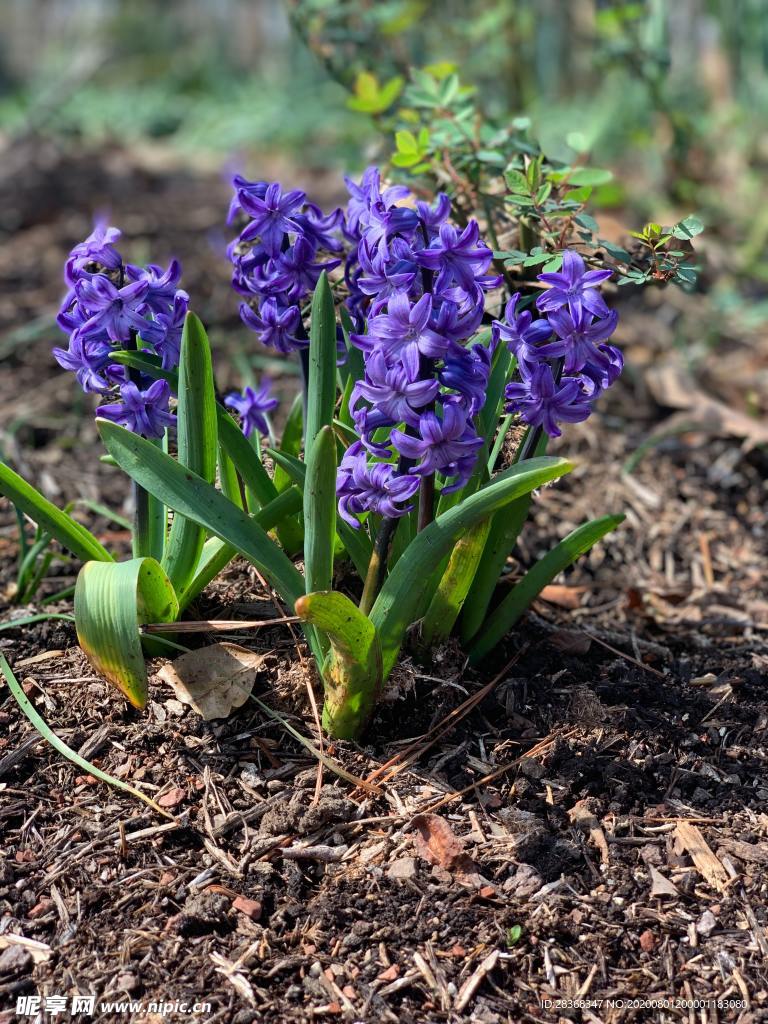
588	843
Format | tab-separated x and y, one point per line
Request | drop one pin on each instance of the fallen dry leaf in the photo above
562	596
213	680
436	843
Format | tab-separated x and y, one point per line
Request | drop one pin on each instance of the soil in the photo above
585	837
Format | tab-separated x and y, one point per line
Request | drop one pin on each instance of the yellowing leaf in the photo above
213	680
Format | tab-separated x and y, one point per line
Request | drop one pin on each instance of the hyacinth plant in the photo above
398	463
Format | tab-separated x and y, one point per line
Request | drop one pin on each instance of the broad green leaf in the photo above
197	445
321	399
290	441
688	228
403	592
67	531
537	577
455	584
112	599
352	673
61	747
320	511
217	553
589	176
191	496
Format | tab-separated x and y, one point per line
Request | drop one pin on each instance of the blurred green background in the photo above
670	94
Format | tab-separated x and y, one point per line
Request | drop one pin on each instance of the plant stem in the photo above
304	363
377	567
426	502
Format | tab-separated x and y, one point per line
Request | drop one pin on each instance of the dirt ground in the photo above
577	830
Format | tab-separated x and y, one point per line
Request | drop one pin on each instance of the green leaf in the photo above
406	142
399	601
189	495
455	584
537	577
61	747
217	553
66	530
356	542
516	182
245	459
688	228
321	398
112	599
589	176
197	445
352	674
320	511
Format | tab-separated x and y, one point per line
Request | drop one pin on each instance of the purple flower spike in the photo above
275	326
575	287
522	334
255	189
172	322
448	446
541	402
579	337
271	216
143	412
252	407
375	487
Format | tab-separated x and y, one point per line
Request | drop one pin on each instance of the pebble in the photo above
403	868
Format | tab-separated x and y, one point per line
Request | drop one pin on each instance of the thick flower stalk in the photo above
112	306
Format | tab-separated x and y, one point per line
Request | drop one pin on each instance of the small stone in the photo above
15	960
403	868
524	882
251	908
647	941
706	923
126	982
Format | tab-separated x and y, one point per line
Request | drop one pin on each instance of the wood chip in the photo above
473	982
689	838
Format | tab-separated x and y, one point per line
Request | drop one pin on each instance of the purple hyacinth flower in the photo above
87	360
383	274
541	402
522	333
466	371
458	257
448	446
115	312
276	326
458	321
403	333
98	247
256	189
163	285
596	377
579	337
362	197
575	287
322	231
143	412
252	407
377	487
386	221
172	322
431	217
392	396
271	217
295	271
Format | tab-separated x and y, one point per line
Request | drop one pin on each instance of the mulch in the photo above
584	840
